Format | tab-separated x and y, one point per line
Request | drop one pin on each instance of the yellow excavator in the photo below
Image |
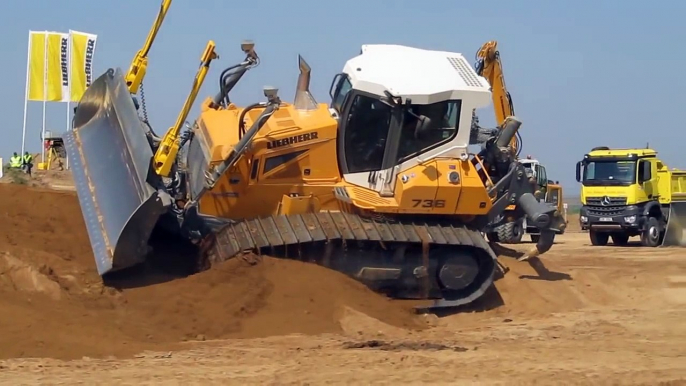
378	184
511	225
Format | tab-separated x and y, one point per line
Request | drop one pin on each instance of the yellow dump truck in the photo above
631	192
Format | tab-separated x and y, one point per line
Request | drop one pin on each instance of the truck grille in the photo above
605	206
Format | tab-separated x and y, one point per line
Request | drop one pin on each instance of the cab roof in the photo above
425	76
606	152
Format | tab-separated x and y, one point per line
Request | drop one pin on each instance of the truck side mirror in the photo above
578	171
646	171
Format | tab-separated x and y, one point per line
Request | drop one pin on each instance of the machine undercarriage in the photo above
409	259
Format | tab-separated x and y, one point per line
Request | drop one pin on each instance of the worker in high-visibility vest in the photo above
27	162
15	161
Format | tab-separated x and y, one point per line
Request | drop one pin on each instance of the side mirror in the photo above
578	171
646	169
422	125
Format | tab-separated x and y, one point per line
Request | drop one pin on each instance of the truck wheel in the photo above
650	237
620	239
534	238
598	238
511	232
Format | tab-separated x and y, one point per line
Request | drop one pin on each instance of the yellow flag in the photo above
82	47
37	45
48	66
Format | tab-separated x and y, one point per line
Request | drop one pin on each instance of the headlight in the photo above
583	218
630	219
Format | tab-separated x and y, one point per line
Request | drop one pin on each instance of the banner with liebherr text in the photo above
48	66
81	62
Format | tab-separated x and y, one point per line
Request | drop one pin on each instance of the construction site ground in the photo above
580	314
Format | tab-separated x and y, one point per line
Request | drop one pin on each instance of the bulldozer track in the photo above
288	235
283	230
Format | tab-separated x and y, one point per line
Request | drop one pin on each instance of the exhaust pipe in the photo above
303	98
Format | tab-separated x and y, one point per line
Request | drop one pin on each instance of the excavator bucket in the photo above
111	162
675	234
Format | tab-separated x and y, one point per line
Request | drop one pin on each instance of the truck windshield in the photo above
609	173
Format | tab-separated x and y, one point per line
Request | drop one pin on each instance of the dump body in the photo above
631	192
675	233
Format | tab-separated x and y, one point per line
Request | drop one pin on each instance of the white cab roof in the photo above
425	76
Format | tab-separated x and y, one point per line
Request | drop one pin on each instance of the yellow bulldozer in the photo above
378	184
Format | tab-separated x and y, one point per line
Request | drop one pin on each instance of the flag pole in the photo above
45	93
26	96
68	87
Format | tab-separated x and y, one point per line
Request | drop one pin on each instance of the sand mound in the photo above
60	308
20	276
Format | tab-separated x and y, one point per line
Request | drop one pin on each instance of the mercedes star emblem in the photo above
605	201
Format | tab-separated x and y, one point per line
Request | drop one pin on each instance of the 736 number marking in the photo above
428	203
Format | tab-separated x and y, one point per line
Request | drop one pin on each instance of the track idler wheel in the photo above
458	272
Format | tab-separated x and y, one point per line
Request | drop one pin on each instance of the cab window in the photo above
554	196
341	89
542	176
444	120
366	131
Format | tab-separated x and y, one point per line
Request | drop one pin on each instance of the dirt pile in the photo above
54	303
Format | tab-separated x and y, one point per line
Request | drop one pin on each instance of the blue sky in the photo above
582	73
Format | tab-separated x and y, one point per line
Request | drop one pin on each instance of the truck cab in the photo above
624	193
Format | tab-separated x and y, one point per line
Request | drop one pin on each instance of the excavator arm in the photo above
139	65
489	66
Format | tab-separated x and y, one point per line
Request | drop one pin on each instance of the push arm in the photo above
169	147
139	65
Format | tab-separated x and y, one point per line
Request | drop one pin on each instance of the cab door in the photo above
366	143
542	180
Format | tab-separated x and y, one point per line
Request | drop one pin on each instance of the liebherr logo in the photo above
88	66
291	140
64	62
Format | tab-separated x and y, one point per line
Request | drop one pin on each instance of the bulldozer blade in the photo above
675	234
111	161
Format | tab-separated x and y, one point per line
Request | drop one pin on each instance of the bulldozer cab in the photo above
392	117
378	133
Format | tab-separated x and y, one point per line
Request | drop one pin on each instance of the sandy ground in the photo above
580	315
